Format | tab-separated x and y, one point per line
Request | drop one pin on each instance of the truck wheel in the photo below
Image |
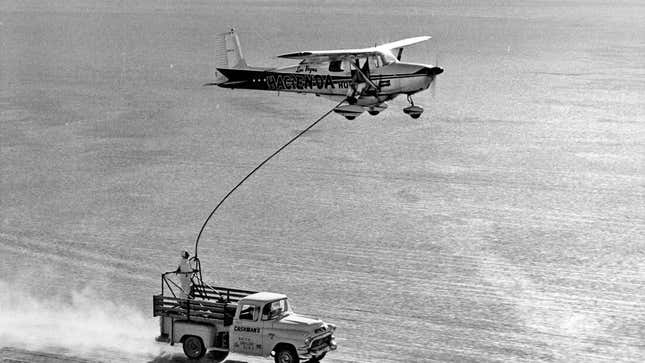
317	359
286	355
194	347
217	355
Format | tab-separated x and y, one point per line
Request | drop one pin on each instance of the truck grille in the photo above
321	343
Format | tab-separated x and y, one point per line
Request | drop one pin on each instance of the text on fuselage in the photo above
306	68
303	82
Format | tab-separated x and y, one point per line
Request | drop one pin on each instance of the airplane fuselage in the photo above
392	80
361	79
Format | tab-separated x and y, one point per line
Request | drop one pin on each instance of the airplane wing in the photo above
314	56
403	43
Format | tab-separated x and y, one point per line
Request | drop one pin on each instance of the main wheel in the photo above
373	113
286	355
350	117
194	347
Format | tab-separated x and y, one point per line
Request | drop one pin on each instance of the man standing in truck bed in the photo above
184	272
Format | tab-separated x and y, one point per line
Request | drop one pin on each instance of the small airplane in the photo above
365	78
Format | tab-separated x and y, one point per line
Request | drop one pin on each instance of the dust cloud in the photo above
80	323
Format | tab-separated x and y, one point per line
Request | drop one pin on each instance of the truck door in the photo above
246	336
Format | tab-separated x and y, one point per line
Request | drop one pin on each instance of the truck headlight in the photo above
307	340
331	327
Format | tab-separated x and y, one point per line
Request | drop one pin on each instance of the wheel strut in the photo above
412	110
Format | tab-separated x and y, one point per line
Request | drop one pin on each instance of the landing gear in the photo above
350	112
412	110
375	109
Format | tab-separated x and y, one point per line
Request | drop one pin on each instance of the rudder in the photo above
228	53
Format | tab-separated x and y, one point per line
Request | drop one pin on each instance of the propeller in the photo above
434	79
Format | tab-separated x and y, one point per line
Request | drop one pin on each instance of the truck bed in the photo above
209	304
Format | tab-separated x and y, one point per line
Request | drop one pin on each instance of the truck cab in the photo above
225	320
266	325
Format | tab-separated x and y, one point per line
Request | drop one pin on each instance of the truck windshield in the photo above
275	309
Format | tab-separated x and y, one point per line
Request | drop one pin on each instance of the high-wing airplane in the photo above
366	78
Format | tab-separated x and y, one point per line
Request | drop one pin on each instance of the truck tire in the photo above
317	359
217	355
194	347
286	355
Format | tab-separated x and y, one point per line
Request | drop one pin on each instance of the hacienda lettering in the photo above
299	81
247	329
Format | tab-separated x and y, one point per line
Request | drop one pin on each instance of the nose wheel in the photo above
413	110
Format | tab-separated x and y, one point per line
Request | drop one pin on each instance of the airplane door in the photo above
246	336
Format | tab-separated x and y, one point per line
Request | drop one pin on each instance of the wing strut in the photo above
361	81
249	175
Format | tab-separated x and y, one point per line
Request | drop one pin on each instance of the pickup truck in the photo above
224	320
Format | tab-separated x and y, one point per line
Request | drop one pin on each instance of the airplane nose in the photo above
435	71
430	71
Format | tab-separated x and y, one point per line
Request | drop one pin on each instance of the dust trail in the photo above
81	324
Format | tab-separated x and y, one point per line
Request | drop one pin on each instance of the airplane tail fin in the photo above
228	54
228	51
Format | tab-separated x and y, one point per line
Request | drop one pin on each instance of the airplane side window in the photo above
362	62
336	66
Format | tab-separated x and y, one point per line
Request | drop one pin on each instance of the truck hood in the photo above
299	321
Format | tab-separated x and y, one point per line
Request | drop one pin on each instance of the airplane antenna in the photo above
252	172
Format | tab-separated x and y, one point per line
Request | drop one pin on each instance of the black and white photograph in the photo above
288	181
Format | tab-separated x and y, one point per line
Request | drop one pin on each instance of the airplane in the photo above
364	78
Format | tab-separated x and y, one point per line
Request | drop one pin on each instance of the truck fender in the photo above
206	332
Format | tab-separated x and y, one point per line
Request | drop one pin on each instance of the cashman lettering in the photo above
247	329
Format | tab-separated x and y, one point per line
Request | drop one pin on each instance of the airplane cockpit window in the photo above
336	66
381	60
375	61
388	58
